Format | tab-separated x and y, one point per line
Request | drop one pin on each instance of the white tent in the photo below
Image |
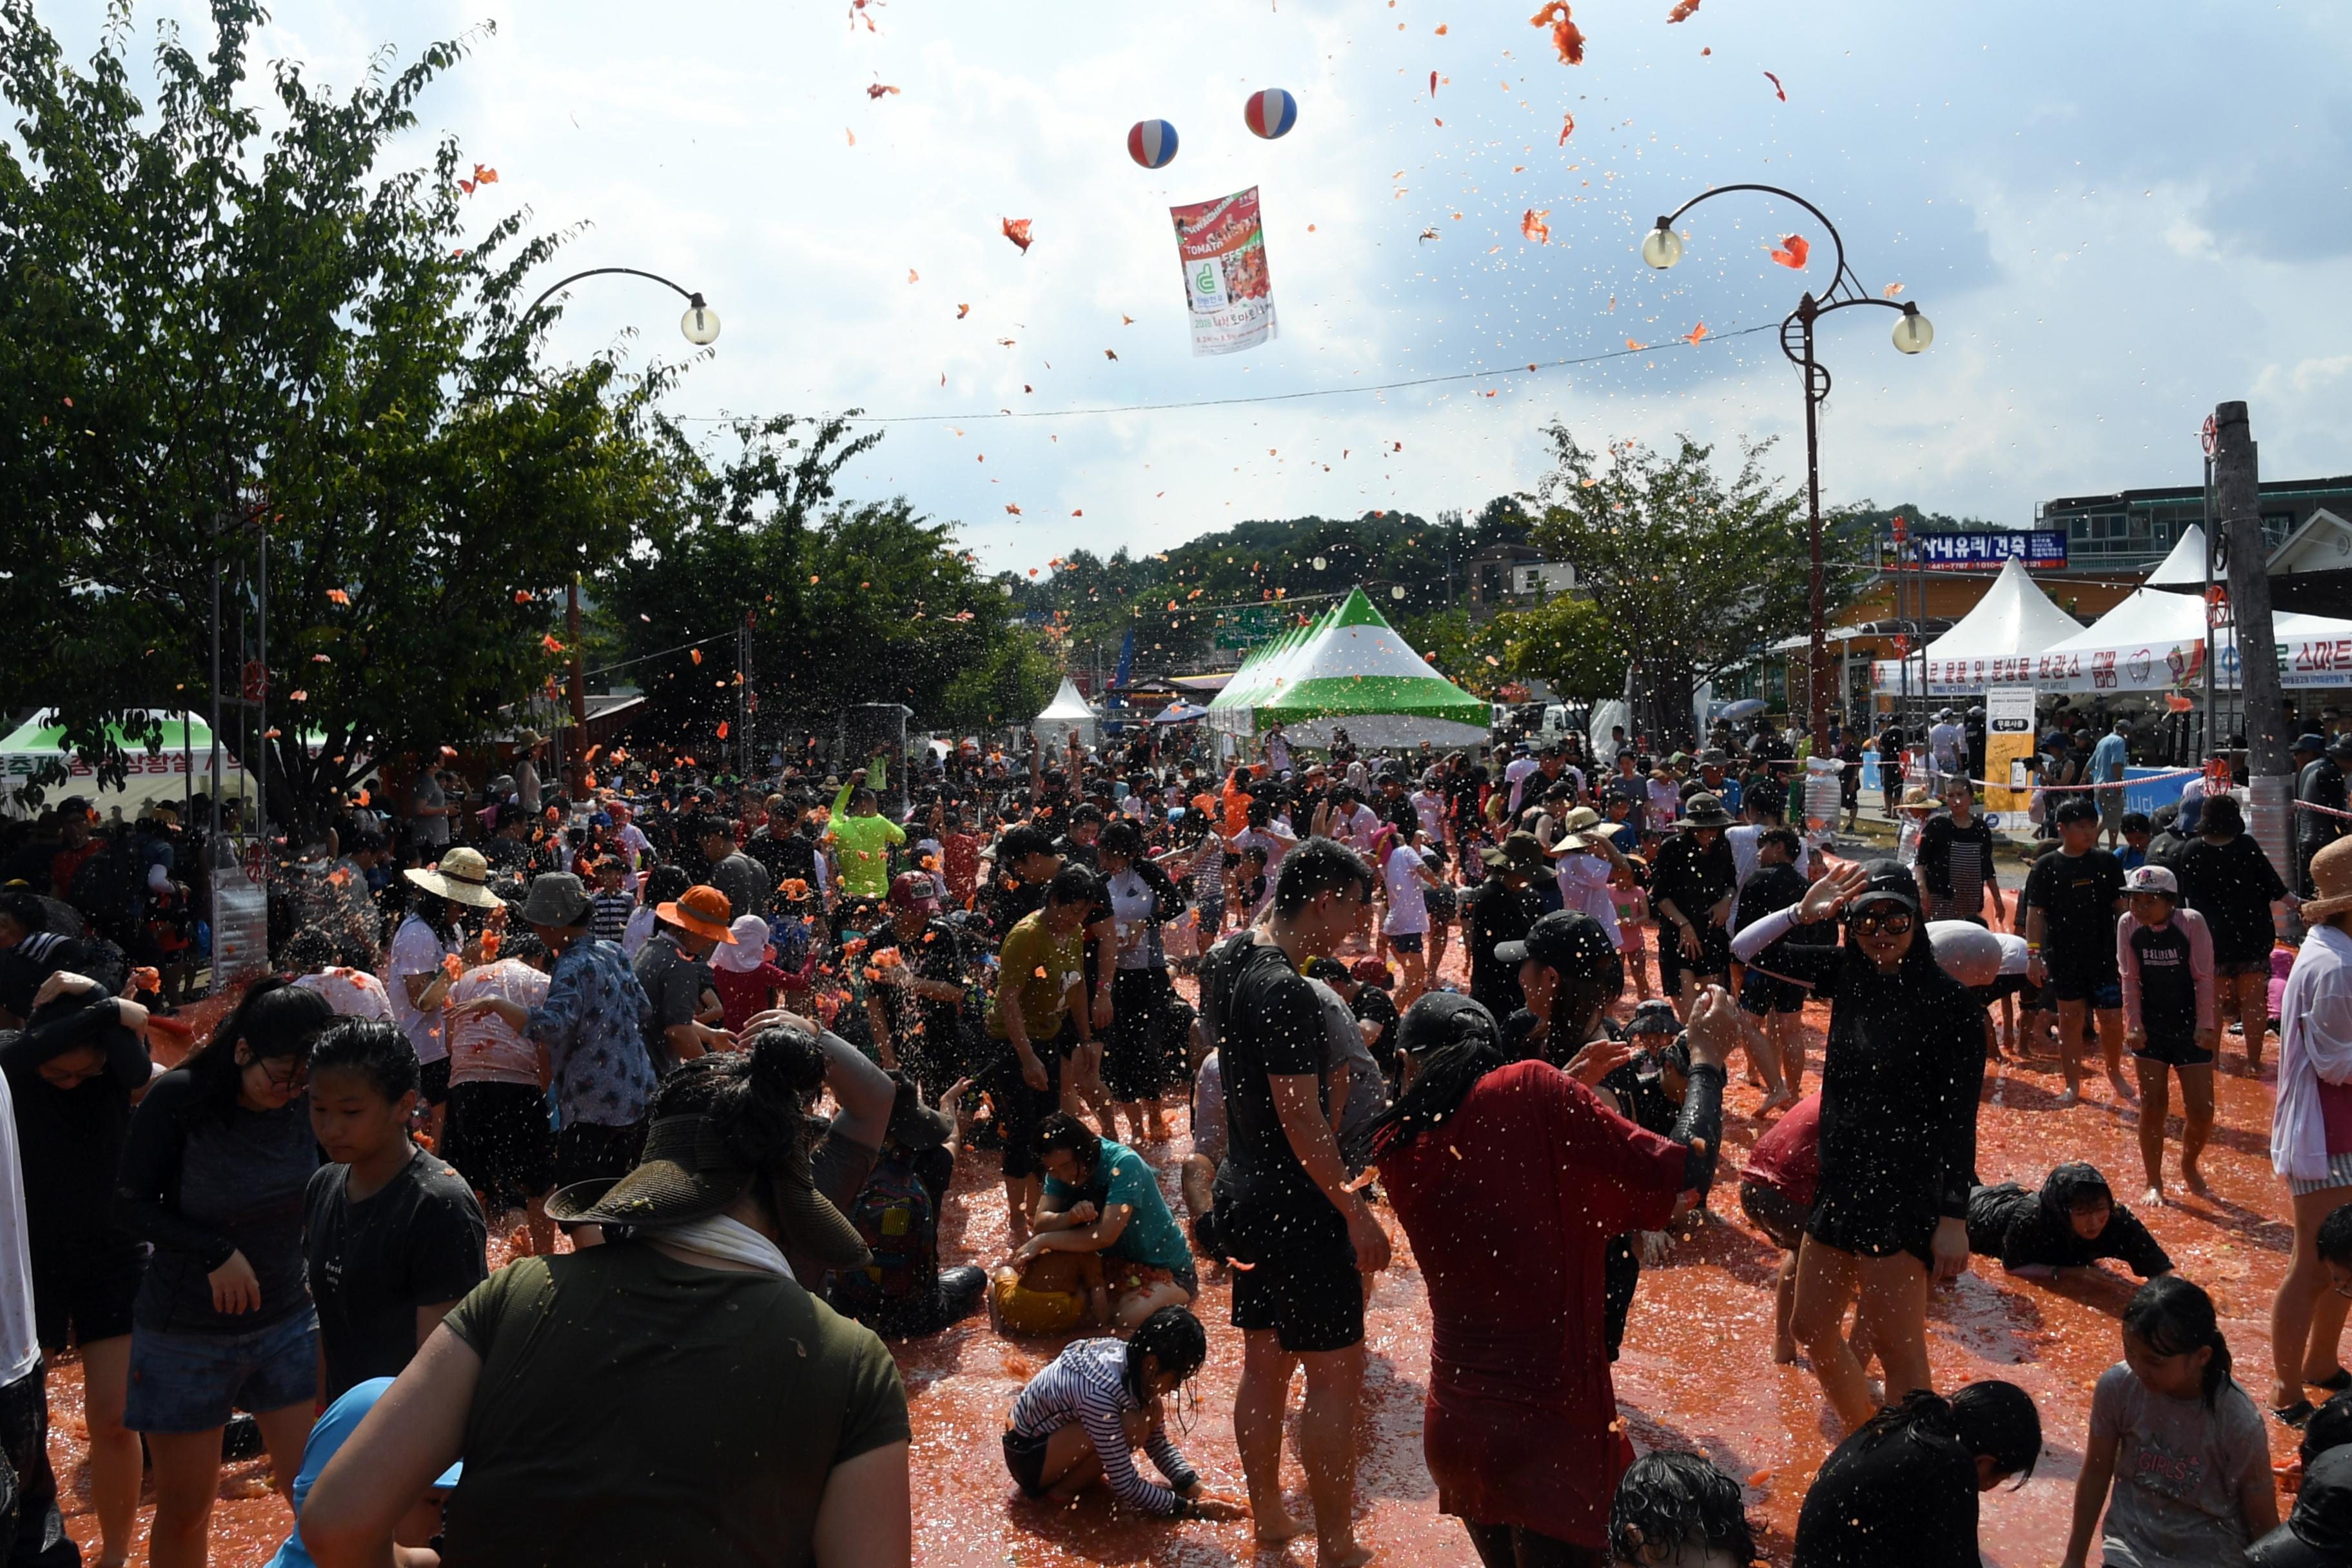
1067	714
164	778
1993	645
2154	639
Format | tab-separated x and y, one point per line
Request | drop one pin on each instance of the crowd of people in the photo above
706	1060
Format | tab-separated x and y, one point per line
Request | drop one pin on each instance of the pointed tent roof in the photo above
1068	704
1357	665
2014	618
2183	570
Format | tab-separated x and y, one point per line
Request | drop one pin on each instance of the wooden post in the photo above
2236	475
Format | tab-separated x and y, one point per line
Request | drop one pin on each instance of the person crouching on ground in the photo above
2072	1223
1101	1199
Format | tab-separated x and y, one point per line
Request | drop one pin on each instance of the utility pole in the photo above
2236	477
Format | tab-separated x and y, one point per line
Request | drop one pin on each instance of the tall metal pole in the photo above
2236	481
1816	641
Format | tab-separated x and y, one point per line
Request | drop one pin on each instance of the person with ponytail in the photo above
1510	1177
1900	1075
213	1173
1904	1488
672	1395
391	1234
2180	1442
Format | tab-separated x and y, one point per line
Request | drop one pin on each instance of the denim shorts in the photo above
189	1383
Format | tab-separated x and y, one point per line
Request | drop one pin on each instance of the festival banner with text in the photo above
1223	246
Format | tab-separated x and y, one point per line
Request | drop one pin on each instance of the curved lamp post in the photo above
1662	248
700	325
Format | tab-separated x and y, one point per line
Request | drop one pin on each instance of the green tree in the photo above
1567	643
210	334
1692	574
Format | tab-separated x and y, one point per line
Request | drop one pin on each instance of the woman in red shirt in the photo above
1510	1179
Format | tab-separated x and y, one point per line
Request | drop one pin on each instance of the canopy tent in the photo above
1349	670
1069	713
184	767
2156	640
1993	645
1179	712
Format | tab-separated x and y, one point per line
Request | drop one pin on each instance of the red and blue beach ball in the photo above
1270	113
1152	144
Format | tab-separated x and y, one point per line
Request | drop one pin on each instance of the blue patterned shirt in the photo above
593	1025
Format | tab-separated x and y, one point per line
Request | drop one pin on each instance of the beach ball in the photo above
1270	113
1152	144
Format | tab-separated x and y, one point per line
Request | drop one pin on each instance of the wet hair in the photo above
1073	884
1998	1420
1786	837
1063	1133
1472	1047
2330	1427
1174	1339
665	884
2135	822
757	1098
275	1020
439	914
1318	866
2172	1317
1255	852
26	910
1122	838
1670	1500
2076	810
1328	970
525	946
375	1050
1083	812
307	953
2334	1242
1020	842
2221	815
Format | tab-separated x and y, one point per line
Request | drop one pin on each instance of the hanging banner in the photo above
1223	246
2009	748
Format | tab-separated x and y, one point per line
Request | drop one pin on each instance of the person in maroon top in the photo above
1510	1178
1776	1194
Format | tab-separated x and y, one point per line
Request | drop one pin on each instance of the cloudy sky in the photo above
2116	216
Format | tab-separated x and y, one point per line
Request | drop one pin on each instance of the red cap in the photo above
914	890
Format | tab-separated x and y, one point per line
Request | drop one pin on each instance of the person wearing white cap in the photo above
744	972
2165	954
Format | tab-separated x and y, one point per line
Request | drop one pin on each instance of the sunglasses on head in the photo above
1871	922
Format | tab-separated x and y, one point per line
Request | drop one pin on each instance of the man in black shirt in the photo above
2077	891
919	999
1284	1207
1024	862
1690	891
1501	911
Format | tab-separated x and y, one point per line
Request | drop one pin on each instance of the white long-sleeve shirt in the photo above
2315	1046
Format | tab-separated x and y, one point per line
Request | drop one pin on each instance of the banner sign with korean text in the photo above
2009	745
1223	246
2042	550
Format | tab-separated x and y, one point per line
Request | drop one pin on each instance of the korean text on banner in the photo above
2009	751
1223	246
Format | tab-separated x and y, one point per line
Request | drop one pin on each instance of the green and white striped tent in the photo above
183	766
1351	670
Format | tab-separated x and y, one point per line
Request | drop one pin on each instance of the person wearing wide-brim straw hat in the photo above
417	974
2315	1066
463	876
716	1411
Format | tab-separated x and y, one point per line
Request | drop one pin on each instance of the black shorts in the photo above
1026	1458
2175	1050
1019	1107
1310	1305
499	1139
1769	1211
585	1151
432	1082
2085	977
83	1289
1405	941
1761	994
2004	985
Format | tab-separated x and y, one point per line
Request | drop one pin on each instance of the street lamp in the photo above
700	323
1662	248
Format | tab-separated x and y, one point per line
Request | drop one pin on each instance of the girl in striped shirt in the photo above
1080	1420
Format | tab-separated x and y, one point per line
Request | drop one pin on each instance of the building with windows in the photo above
2131	531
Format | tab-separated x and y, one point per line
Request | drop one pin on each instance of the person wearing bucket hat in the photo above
744	972
1901	1071
674	968
1500	911
416	972
2315	1025
1691	889
739	1421
2318	1533
1509	1178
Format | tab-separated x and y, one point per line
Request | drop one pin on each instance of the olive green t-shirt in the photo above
634	1410
1046	966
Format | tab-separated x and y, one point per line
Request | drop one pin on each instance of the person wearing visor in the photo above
739	1422
1900	1076
1521	1429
